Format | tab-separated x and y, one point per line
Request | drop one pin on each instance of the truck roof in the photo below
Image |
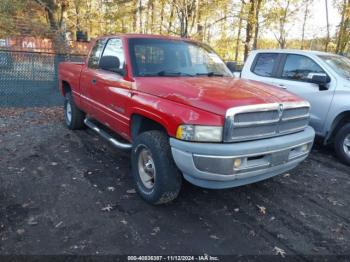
147	36
293	51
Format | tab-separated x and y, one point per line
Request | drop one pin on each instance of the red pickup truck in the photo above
176	105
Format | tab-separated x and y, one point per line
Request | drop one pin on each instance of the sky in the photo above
316	24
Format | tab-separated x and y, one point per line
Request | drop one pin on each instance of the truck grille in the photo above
266	120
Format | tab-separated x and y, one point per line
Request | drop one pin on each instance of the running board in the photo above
106	136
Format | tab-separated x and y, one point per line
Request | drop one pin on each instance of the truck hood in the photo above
213	94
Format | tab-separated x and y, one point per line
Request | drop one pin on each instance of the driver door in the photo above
112	89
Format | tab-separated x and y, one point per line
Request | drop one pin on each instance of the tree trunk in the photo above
238	40
256	32
161	17
304	24
249	29
171	17
134	15
341	29
327	20
140	17
152	16
283	20
56	16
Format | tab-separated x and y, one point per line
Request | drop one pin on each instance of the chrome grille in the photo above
266	120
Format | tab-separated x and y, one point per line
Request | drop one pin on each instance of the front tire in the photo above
74	117
157	179
342	144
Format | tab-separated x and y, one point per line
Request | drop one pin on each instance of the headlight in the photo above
199	133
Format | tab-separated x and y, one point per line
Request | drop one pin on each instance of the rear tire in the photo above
342	144
157	179
74	117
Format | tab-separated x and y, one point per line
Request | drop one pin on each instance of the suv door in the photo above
294	74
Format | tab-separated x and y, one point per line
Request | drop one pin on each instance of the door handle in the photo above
282	86
93	81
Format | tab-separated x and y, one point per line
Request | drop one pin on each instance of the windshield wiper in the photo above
172	73
209	74
165	73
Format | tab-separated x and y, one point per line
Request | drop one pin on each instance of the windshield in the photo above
340	64
162	57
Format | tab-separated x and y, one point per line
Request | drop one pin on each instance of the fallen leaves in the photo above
59	224
32	221
124	222
279	251
131	191
156	230
33	116
107	208
111	188
20	231
262	209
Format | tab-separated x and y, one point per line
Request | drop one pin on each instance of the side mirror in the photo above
111	63
231	66
320	79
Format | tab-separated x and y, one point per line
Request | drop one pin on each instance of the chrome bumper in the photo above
227	165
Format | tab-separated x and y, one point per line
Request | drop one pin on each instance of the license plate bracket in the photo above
280	157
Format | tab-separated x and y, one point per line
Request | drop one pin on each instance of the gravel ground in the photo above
64	192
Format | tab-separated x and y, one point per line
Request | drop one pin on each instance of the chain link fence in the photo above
30	78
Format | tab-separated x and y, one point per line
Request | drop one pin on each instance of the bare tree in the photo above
344	28
306	14
185	10
239	30
249	28
327	20
256	29
56	13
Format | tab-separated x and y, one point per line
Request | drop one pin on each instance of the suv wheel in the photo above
73	115
156	176
342	144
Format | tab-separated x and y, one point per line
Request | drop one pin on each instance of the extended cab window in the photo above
114	48
265	63
96	53
298	67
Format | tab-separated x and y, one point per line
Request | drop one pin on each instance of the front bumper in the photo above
211	165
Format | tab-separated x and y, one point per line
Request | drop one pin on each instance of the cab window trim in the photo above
275	67
104	46
103	51
283	63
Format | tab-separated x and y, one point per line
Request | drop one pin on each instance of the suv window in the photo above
265	63
114	48
298	67
96	53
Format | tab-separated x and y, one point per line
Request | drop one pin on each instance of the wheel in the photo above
342	144
74	116
157	179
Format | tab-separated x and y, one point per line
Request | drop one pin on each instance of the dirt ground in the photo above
64	192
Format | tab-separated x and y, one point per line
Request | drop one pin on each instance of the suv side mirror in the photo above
320	79
111	63
231	66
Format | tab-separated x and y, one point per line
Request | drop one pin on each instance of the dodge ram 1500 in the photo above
174	103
